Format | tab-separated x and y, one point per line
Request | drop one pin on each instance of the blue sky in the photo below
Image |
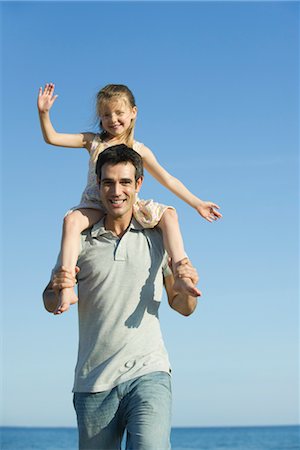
216	84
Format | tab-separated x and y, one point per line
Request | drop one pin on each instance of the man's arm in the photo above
182	303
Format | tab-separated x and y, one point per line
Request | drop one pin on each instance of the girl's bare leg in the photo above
74	224
174	245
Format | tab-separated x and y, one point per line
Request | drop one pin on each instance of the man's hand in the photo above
63	283
185	270
185	278
183	300
63	279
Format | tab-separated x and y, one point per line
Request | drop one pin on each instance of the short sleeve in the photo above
95	142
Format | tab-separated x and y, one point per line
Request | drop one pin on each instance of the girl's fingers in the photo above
48	90
217	214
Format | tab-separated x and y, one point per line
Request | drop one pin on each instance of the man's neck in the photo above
117	225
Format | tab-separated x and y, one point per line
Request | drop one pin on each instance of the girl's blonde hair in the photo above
105	95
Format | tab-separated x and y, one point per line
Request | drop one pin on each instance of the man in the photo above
122	376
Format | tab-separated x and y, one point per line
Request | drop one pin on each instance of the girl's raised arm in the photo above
207	210
46	99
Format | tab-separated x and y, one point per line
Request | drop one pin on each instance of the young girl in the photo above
117	112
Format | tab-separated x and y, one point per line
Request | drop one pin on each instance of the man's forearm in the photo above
184	304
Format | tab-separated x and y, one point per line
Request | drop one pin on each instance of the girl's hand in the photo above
46	98
208	211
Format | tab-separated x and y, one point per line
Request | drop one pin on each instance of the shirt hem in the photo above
108	387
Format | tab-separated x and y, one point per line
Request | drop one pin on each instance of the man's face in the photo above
118	189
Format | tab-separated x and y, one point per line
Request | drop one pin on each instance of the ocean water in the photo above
227	438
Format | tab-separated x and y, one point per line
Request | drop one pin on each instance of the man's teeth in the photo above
117	202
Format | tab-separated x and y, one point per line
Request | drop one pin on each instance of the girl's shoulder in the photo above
137	145
140	148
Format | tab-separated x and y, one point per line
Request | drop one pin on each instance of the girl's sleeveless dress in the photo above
147	212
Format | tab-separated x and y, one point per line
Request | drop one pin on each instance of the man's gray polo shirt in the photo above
120	288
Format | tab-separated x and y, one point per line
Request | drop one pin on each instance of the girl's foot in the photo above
67	297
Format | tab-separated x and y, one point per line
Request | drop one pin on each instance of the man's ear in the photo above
138	184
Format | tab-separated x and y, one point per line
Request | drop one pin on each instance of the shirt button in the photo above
130	364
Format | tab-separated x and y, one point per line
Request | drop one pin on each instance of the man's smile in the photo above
118	201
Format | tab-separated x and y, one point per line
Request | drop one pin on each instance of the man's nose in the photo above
116	189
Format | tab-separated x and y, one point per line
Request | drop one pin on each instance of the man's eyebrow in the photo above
111	179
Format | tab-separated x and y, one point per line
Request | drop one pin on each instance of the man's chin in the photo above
116	213
117	210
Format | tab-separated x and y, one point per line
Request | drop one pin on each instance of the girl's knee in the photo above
170	214
71	221
81	219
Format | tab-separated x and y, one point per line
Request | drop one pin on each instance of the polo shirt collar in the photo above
99	230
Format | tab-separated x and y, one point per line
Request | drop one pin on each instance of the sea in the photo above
213	438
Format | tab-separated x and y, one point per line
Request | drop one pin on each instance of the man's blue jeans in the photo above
142	406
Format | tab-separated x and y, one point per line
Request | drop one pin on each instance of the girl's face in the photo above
116	116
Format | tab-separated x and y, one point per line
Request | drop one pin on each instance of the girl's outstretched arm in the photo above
207	210
46	99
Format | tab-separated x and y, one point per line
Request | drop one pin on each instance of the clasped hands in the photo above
63	279
184	269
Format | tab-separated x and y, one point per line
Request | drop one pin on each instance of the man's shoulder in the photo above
155	232
155	239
